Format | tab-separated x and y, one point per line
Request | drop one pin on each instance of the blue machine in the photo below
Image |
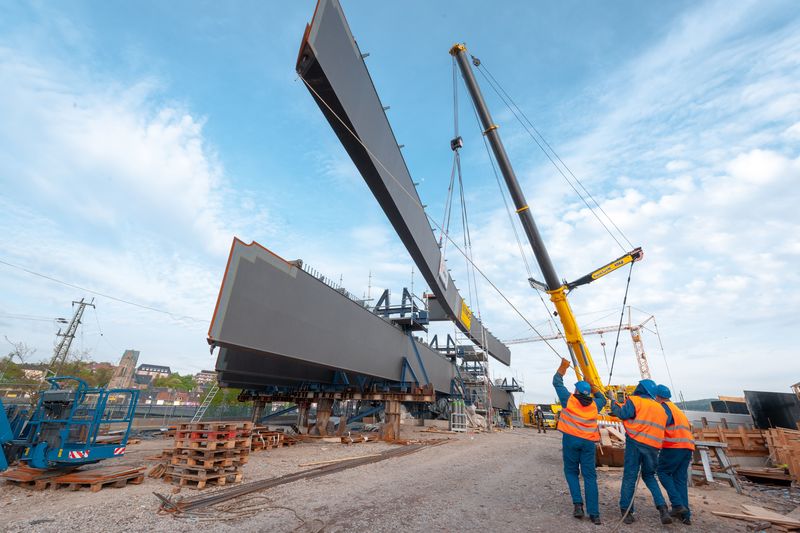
69	426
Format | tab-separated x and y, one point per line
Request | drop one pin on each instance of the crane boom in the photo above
579	352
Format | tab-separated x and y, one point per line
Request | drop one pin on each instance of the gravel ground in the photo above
505	481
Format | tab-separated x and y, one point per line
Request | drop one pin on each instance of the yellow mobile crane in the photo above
557	289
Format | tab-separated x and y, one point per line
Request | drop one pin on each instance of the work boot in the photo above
595	520
663	513
629	518
578	511
685	519
678	511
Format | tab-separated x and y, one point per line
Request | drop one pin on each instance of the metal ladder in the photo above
212	392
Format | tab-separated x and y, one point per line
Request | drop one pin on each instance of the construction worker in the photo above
675	456
580	433
530	417
644	420
539	415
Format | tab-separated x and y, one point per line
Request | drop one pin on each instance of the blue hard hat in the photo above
649	386
664	392
583	387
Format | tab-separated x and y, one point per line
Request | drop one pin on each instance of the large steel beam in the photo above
331	63
279	325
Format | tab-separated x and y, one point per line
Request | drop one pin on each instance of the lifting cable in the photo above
619	328
664	355
416	201
513	222
520	115
449	201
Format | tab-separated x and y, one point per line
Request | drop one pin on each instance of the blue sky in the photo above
138	139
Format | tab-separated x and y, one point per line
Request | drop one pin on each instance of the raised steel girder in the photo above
331	64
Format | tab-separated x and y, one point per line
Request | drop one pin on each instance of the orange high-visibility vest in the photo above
648	425
578	420
679	434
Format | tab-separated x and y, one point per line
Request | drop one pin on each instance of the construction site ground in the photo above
503	481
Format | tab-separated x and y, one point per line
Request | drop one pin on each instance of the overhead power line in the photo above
102	294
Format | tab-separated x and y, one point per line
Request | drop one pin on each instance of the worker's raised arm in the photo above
623	411
599	399
558	383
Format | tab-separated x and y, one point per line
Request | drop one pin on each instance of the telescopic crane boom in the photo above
579	352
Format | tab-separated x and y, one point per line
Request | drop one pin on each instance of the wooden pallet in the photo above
215	426
31	478
213	444
97	478
199	472
197	483
209	453
210	459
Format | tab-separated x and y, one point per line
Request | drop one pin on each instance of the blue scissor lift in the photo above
70	426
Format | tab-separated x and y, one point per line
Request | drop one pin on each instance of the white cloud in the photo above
677	165
109	187
692	151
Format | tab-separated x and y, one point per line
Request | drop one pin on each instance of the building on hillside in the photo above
142	381
157	371
205	377
123	374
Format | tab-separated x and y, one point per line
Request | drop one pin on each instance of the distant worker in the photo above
580	433
644	420
530	417
539	415
675	456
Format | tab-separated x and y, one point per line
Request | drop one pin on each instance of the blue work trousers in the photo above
639	456
579	457
673	472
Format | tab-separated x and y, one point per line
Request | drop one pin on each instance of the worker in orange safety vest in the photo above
644	421
580	434
675	456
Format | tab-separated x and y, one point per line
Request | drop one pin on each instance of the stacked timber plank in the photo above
762	518
611	451
97	478
94	479
30	478
784	449
209	453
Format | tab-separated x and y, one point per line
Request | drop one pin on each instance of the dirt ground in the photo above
505	481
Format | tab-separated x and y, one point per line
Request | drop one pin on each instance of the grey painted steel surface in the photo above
331	63
715	419
520	204
278	325
502	399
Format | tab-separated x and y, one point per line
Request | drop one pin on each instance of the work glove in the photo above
562	369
